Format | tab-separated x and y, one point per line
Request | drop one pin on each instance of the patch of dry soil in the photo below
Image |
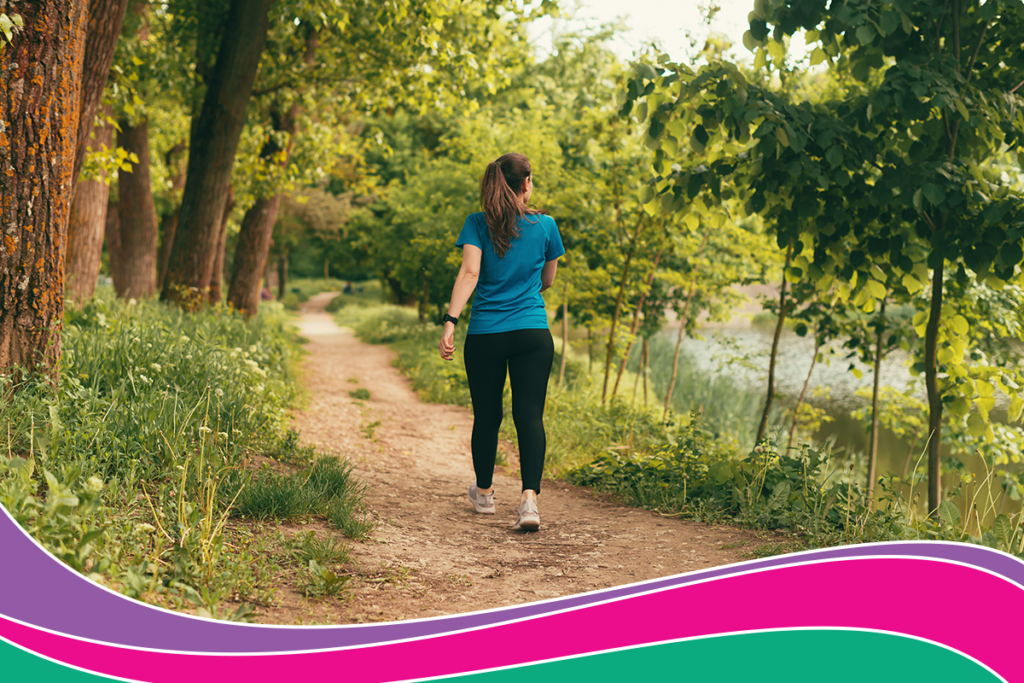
431	553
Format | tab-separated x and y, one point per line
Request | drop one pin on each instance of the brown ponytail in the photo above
503	180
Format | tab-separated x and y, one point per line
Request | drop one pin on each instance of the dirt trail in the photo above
431	554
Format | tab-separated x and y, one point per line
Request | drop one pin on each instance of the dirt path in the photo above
431	554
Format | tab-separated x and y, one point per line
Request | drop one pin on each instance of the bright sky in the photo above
668	22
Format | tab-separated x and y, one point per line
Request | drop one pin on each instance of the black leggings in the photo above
526	356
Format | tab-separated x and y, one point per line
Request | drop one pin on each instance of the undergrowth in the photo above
131	465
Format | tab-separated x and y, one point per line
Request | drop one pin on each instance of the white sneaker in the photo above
483	502
528	517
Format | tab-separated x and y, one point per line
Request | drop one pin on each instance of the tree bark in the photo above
873	446
112	238
212	148
647	360
250	263
85	226
282	275
138	227
217	277
565	335
636	324
104	26
40	79
763	426
931	383
618	307
257	227
683	319
803	395
169	223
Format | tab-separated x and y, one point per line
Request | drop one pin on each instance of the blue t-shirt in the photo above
508	288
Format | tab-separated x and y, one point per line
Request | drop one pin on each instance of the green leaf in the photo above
933	193
890	22
912	284
949	513
908	26
1003	531
646	71
1016	407
962	109
834	156
875	289
781	136
865	34
818	56
976	424
959	324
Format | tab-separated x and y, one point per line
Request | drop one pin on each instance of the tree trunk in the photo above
639	369
647	360
85	226
169	223
803	394
138	216
251	263
763	426
565	335
618	307
212	148
255	235
636	324
217	277
282	274
112	238
682	323
873	446
104	26
40	78
931	383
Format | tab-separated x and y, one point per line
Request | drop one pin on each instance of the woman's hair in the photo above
503	180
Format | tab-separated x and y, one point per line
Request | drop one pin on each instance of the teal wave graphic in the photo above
18	665
798	656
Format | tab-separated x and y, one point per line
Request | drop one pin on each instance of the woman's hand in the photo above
447	344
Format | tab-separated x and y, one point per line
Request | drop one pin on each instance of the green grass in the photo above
131	465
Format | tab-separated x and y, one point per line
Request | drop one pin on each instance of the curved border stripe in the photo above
799	596
47	587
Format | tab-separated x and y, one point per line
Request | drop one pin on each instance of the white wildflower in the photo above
156	367
222	435
219	392
204	428
131	302
144	528
94	484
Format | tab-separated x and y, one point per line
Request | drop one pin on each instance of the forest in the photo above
180	177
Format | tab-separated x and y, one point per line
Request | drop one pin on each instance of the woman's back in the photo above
508	290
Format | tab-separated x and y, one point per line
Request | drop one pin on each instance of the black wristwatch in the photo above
449	319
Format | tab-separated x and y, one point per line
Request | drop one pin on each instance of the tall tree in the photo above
258	223
212	148
40	76
86	222
137	214
104	27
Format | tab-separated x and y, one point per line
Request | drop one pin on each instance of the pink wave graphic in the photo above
800	596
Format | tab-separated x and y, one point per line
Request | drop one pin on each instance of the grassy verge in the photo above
140	465
692	465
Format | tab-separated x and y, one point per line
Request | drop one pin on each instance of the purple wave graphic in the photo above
52	596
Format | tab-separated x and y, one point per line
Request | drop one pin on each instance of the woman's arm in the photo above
547	275
465	284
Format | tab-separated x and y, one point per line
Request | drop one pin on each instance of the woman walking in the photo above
509	256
